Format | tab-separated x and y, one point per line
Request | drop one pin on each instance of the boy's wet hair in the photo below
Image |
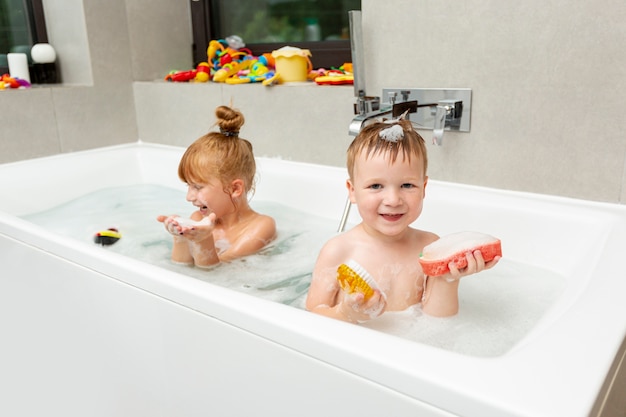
370	141
222	155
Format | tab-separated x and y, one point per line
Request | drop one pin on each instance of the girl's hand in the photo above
192	230
357	310
171	225
198	231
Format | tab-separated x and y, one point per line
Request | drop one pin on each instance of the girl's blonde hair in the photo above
222	155
370	141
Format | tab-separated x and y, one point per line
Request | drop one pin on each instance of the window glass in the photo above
284	20
14	28
321	26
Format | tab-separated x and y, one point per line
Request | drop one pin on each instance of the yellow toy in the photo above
354	278
230	69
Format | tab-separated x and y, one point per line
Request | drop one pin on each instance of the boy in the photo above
387	165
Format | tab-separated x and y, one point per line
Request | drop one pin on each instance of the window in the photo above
22	25
322	26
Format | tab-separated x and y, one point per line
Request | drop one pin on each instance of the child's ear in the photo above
350	188
237	188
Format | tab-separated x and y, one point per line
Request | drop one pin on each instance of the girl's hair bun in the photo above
229	121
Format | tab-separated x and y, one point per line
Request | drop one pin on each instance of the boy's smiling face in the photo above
389	195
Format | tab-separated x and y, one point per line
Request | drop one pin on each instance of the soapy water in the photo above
497	307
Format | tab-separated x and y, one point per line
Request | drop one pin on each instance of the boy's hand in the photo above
475	264
357	310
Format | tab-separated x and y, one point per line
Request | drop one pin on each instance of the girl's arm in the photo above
180	248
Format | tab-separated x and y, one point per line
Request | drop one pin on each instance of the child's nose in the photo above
392	197
191	194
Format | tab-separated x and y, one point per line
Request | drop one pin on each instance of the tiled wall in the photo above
547	82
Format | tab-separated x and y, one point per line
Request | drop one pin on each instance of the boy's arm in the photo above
441	297
441	293
325	296
324	288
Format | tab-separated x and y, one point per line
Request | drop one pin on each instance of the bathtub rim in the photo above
391	371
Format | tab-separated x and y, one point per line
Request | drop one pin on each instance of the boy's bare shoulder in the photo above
337	247
424	237
336	242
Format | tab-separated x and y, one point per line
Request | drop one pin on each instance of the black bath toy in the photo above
107	237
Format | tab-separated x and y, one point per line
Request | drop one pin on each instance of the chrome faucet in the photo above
366	108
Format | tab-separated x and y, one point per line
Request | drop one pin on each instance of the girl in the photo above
219	170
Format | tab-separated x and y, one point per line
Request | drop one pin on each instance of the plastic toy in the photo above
293	64
200	74
6	81
226	54
340	76
107	237
180	76
256	72
354	278
230	69
273	80
203	72
334	78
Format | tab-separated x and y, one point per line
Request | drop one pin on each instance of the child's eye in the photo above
376	186
407	185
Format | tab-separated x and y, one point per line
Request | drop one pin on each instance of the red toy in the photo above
200	74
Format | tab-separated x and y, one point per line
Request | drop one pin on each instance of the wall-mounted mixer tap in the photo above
450	108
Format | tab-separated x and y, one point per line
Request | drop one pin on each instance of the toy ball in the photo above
107	237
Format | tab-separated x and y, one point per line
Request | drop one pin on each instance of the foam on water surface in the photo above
498	306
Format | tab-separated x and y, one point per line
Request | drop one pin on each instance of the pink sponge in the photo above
452	248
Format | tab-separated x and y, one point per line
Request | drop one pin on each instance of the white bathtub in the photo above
87	332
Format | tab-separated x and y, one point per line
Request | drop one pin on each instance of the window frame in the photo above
325	54
37	21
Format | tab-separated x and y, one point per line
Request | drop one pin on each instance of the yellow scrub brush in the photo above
353	278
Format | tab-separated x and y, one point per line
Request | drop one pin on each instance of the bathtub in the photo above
86	332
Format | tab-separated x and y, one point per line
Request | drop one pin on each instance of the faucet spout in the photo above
440	124
360	120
